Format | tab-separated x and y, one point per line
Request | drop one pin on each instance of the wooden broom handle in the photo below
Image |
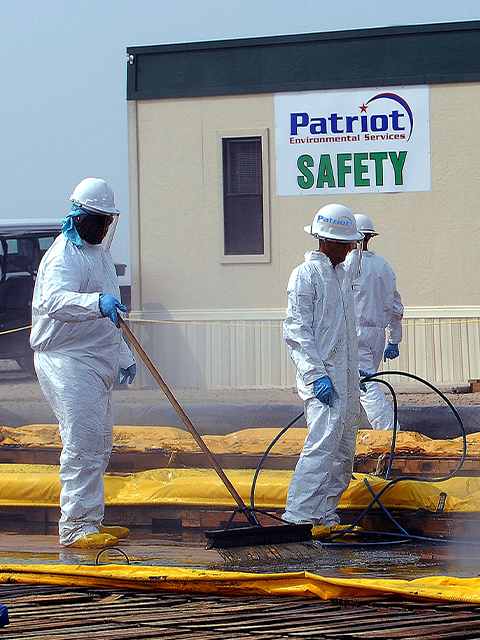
186	421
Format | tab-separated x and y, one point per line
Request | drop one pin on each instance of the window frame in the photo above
264	138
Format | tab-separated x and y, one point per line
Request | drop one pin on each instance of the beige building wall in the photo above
216	323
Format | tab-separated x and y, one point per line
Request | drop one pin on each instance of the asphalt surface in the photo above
219	411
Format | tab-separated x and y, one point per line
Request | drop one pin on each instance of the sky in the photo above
63	79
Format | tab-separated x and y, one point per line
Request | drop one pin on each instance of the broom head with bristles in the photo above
255	536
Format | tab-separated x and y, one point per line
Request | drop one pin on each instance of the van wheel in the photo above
26	365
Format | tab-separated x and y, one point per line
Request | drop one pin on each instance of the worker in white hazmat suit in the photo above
79	351
378	307
319	331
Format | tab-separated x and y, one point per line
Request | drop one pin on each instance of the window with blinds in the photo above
243	196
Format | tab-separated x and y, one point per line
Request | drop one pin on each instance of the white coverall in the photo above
78	353
319	330
378	306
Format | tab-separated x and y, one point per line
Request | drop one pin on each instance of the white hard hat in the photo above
364	224
94	194
334	222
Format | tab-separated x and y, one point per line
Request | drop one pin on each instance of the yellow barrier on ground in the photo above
39	486
303	583
246	441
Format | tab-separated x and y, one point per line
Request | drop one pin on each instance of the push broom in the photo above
254	535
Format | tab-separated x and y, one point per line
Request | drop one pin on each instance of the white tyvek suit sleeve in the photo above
395	318
352	264
298	328
60	297
126	356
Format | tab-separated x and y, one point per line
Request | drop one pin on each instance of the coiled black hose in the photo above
375	377
376	497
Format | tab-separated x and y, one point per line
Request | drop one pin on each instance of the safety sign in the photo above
353	141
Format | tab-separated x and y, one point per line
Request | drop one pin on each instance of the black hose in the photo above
376	497
263	458
447	401
111	549
395	421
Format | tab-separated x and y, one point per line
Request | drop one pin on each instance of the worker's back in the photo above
375	291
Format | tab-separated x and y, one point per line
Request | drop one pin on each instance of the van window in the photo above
45	243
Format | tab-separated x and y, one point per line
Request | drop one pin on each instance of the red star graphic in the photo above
363	108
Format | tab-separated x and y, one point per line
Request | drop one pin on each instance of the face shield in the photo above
95	227
112	227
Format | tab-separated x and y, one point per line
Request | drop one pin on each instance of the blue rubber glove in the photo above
108	308
391	352
129	373
323	390
364	374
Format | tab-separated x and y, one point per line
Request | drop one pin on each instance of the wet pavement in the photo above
401	560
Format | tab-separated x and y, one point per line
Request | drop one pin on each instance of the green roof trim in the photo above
419	54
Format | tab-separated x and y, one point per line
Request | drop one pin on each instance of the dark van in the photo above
22	245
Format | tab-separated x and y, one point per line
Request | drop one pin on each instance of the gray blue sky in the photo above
63	71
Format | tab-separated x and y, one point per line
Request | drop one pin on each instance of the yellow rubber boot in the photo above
338	528
319	531
95	541
117	531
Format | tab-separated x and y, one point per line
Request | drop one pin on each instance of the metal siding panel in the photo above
430	349
437	363
252	354
222	363
446	351
474	351
262	352
462	361
271	365
208	358
420	351
239	355
192	373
